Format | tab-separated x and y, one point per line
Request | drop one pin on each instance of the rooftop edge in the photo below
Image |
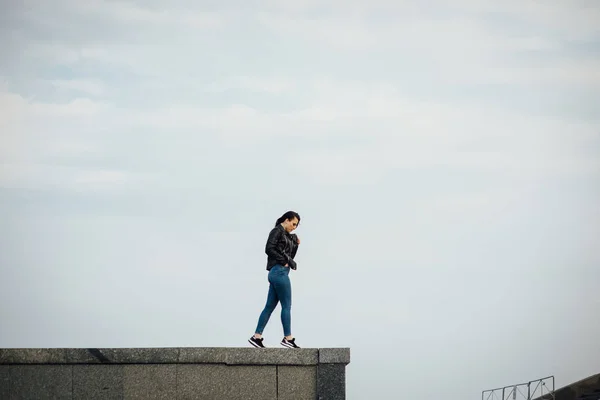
176	355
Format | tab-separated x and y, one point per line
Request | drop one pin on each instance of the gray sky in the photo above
444	159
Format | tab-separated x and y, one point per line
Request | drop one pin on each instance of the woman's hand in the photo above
298	239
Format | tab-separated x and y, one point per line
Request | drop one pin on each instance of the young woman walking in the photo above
281	249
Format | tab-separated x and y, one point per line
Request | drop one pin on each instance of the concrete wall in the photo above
585	389
174	373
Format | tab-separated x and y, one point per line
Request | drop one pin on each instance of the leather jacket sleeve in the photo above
292	264
294	244
271	247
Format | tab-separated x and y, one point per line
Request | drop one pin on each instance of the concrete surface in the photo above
173	373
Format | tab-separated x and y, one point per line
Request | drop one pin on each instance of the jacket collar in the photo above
283	230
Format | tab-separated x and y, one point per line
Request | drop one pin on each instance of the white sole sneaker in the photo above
288	345
253	343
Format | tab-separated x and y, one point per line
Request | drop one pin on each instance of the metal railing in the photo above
542	389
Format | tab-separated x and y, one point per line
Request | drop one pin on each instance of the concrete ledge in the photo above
334	356
167	373
176	355
33	356
249	356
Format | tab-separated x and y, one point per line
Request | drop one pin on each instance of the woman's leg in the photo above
283	288
272	300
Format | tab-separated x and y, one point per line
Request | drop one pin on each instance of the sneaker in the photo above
256	342
290	343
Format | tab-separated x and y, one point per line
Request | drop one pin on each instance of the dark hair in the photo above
288	215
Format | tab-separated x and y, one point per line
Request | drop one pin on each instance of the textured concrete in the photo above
168	373
150	382
282	356
122	356
32	356
98	382
201	381
585	388
334	356
173	355
331	381
37	382
296	382
4	382
203	355
248	356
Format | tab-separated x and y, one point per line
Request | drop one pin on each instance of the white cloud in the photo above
272	85
100	177
76	108
14	106
400	133
33	131
128	13
70	179
570	20
456	49
11	107
44	176
124	12
95	88
52	53
578	73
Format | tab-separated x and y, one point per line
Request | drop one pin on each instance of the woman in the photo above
281	249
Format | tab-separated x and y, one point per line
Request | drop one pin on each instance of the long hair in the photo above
288	215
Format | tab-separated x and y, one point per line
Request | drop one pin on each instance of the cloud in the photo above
43	176
128	12
584	74
94	88
34	132
466	43
271	85
453	50
573	20
395	129
396	133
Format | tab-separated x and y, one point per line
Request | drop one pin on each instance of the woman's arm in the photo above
295	243
271	247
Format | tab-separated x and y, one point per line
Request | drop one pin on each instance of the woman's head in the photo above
289	220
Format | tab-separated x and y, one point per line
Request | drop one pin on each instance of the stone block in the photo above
331	381
216	382
32	356
334	356
150	382
203	355
38	382
296	382
163	373
122	356
92	382
248	356
4	382
251	356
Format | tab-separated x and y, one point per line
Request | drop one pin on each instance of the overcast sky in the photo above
443	156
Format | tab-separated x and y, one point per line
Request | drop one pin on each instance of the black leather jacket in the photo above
281	248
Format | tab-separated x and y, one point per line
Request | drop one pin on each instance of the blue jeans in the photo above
280	290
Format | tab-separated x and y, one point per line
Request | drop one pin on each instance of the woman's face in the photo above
290	225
